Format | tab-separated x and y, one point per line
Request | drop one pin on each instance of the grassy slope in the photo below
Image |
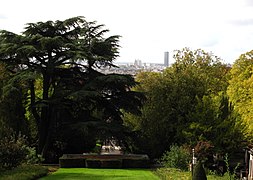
176	174
24	173
33	172
101	174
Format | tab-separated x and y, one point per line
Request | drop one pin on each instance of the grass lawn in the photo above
25	172
99	174
176	174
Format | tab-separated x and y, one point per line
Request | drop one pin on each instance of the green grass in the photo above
176	174
34	172
173	174
101	174
26	172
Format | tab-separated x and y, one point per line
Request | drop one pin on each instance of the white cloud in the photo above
248	2
2	16
242	22
149	27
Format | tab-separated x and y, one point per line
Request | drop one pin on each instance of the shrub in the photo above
203	149
177	157
199	172
32	157
230	174
24	172
13	150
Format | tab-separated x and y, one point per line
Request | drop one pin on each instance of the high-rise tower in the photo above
166	59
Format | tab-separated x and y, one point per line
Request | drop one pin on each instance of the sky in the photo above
148	28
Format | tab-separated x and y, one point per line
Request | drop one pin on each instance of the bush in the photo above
177	157
203	149
199	172
13	150
230	174
32	157
24	172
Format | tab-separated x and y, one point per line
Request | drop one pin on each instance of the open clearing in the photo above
97	174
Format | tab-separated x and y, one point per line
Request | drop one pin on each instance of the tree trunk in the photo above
43	129
49	130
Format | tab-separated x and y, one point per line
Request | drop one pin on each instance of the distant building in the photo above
138	63
166	59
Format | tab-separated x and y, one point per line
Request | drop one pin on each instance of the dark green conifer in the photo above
199	172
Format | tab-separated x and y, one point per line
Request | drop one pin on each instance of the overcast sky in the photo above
149	27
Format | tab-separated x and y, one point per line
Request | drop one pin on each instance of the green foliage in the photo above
32	157
178	157
172	173
97	148
240	87
208	67
11	102
199	172
181	105
57	63
230	174
13	150
24	172
214	120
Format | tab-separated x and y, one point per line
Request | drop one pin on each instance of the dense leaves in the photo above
56	63
240	87
13	149
187	103
215	120
52	91
177	157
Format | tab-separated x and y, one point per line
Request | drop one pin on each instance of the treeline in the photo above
197	102
53	95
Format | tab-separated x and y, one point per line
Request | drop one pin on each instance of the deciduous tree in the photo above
173	101
240	88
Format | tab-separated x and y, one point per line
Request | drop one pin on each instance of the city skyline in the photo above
168	57
151	27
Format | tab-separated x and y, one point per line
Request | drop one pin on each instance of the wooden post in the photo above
194	160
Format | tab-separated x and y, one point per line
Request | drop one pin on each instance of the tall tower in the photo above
166	59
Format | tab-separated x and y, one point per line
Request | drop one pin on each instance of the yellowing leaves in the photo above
240	88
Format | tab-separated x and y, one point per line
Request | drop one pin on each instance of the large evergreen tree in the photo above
65	57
